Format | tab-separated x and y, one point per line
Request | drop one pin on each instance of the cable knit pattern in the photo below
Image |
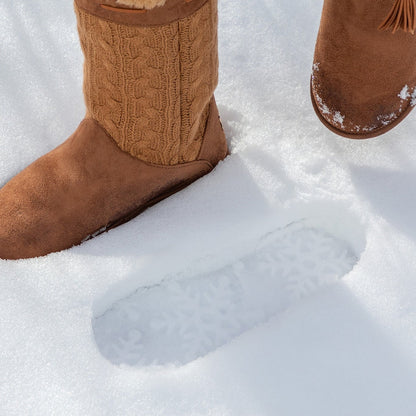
199	73
149	87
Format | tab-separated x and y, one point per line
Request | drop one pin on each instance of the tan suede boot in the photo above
152	127
364	74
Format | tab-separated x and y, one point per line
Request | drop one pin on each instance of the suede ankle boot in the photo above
151	127
364	73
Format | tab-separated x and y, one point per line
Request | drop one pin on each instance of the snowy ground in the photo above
292	287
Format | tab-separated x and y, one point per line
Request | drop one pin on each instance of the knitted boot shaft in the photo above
149	86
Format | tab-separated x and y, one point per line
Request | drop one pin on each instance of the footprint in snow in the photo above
176	322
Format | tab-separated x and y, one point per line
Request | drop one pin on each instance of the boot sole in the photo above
358	136
136	212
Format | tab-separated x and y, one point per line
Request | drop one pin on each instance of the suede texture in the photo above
363	81
86	186
214	147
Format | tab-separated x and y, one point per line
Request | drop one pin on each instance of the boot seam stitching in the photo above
195	162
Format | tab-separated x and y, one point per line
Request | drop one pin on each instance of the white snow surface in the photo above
284	283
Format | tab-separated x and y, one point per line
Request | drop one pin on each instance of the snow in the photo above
181	320
339	118
340	338
404	93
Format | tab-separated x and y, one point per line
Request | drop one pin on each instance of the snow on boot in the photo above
364	73
152	127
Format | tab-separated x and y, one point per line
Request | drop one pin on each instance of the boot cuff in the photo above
142	4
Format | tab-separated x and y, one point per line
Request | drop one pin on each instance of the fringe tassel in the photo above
401	16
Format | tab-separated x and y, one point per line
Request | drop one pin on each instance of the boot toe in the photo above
358	114
363	79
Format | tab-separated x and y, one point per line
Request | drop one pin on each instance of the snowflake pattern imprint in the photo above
178	321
